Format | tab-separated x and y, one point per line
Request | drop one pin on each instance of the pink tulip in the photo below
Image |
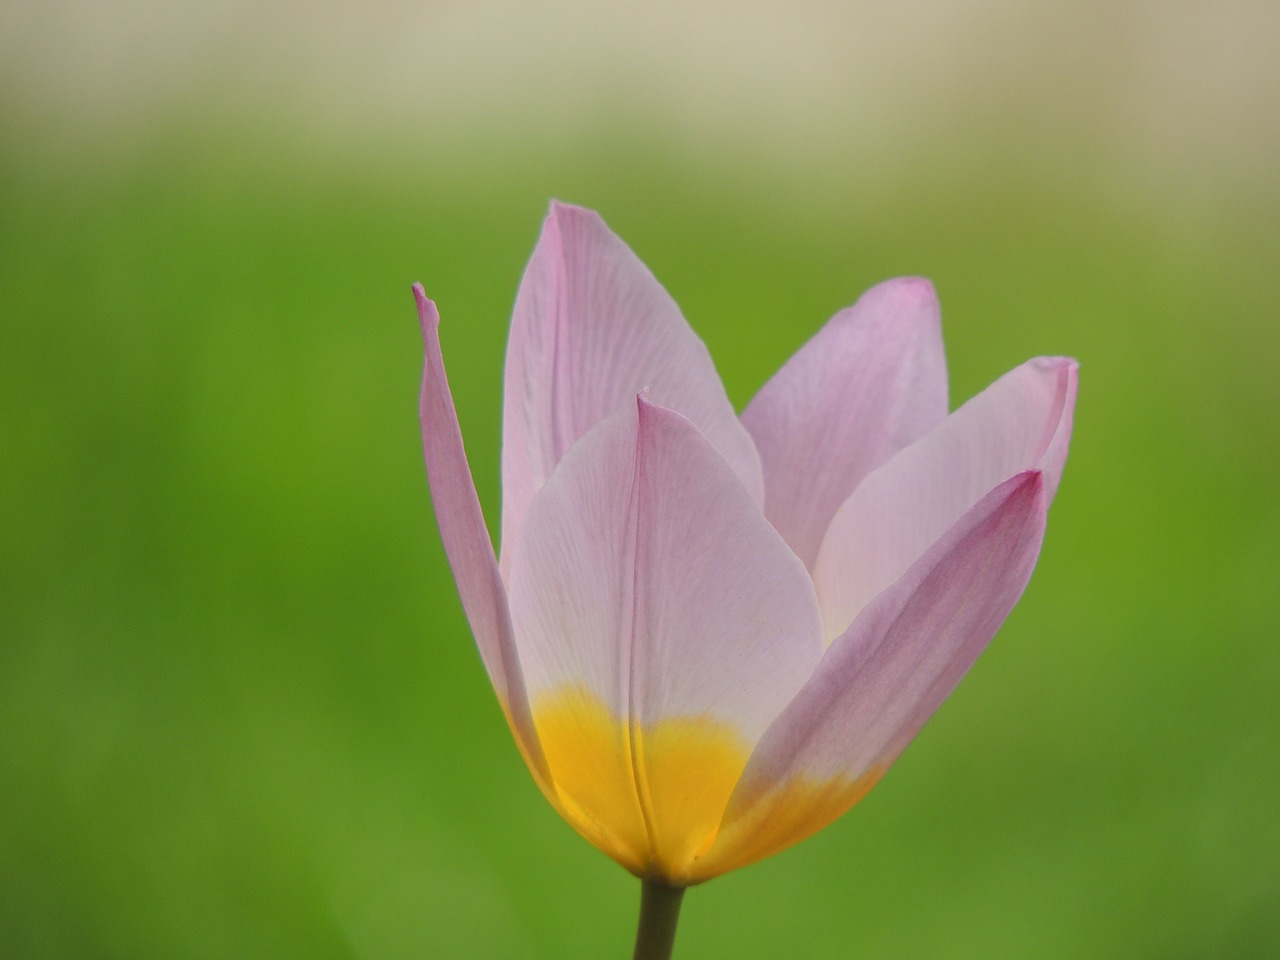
711	635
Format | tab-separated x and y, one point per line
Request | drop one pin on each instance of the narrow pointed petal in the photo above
879	682
662	623
466	540
1021	422
873	380
592	328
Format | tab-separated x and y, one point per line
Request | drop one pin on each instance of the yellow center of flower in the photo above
653	796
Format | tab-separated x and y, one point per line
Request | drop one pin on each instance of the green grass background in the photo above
241	714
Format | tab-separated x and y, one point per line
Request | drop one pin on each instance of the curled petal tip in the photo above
557	207
645	407
563	216
1063	364
1032	485
918	290
1066	373
427	313
921	286
1032	478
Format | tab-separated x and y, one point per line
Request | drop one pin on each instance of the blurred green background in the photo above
241	714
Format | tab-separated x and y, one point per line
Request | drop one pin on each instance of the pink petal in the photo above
466	539
646	575
1021	422
592	328
879	682
873	380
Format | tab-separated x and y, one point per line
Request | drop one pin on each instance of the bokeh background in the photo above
240	711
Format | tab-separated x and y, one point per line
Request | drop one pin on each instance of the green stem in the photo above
659	911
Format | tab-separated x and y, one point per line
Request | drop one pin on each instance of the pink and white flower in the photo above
712	634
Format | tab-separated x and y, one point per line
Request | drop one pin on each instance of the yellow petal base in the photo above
779	818
653	797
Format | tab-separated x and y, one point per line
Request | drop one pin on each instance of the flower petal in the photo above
662	623
466	540
879	682
592	328
1021	422
873	380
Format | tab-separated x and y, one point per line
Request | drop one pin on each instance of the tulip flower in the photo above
711	635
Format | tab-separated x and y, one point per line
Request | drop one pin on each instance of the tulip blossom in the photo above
712	634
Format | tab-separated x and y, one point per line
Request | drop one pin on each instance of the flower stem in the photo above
659	911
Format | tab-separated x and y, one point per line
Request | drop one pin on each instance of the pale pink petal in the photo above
466	539
873	380
647	576
1021	422
592	327
879	682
